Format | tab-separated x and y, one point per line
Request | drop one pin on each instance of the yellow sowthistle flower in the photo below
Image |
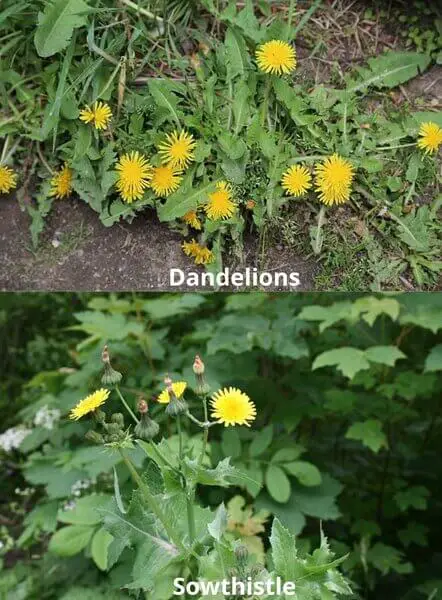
165	180
191	218
89	404
333	180
8	180
232	407
220	204
276	57
61	183
200	254
430	137
99	115
179	387
296	180
134	175
178	149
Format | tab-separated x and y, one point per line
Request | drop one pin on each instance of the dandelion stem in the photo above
398	146
317	241
141	10
150	500
126	405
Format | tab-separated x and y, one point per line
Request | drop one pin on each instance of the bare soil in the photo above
78	253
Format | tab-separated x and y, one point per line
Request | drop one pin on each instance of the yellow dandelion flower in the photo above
8	180
276	57
232	407
178	387
333	180
89	404
165	180
220	204
296	180
190	248
134	175
61	183
204	256
430	137
178	149
191	218
100	114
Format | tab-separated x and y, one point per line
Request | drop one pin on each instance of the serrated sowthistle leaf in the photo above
57	23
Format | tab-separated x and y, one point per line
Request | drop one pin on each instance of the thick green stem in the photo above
126	405
150	500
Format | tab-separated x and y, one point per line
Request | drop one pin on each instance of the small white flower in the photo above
12	438
46	417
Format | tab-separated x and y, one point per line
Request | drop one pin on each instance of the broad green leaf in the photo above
219	525
277	483
387	558
347	360
184	199
386	355
85	511
412	497
99	546
370	308
261	441
433	362
306	473
287	454
368	432
56	25
162	91
70	540
241	105
231	443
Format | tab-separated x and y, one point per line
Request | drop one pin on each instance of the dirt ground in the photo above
78	253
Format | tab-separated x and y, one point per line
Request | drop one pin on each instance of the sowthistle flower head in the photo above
231	406
89	404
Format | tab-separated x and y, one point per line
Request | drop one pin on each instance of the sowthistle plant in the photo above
173	535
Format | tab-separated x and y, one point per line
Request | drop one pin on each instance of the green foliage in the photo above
359	454
160	70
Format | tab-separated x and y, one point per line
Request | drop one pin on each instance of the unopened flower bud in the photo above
142	406
255	570
113	428
100	416
198	366
176	406
146	429
118	418
110	376
242	554
95	437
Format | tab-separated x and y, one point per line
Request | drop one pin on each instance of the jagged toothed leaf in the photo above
389	70
237	57
56	25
